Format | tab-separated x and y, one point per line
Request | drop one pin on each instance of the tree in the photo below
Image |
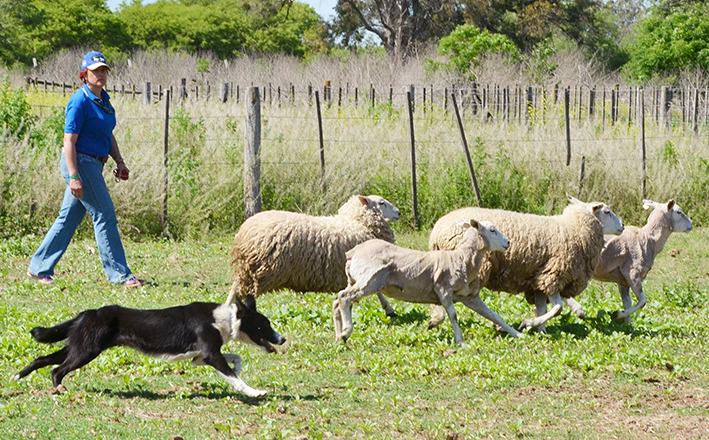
399	24
227	28
671	38
467	43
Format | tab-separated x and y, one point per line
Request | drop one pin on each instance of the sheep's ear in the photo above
363	199
597	207
474	223
573	199
670	204
647	204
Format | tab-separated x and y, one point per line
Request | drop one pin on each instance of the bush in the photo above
668	41
467	43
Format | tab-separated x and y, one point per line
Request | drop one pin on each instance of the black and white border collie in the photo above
195	331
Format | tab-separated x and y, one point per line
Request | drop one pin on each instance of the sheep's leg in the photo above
388	309
628	308
540	307
575	307
337	319
540	321
447	303
231	299
476	303
437	316
346	297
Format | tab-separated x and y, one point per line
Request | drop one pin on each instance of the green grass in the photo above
394	379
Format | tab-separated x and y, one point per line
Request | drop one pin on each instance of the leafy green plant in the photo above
16	118
467	43
673	37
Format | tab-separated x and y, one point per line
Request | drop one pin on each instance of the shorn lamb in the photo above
435	277
279	249
551	258
627	258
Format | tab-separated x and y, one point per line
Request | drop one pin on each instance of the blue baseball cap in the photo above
93	60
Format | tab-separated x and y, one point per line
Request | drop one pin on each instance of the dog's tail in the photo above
53	334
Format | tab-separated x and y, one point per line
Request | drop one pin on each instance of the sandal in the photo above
43	280
133	282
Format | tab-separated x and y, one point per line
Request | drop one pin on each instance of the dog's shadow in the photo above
212	393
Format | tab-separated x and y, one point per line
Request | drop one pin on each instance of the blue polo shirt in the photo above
93	124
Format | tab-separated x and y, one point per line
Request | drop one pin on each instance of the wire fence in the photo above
528	145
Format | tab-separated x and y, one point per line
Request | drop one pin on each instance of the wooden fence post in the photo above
664	106
567	126
414	194
148	95
252	154
224	91
582	174
642	142
322	143
591	103
165	158
183	89
467	153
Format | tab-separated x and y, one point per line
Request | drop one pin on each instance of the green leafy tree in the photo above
671	38
70	23
226	28
467	43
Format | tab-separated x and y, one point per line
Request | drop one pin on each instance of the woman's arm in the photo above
122	172
75	184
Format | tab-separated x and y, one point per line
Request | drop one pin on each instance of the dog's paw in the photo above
256	394
14	377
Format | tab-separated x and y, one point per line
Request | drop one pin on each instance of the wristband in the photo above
75	176
119	161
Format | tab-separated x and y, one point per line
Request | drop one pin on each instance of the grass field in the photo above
393	380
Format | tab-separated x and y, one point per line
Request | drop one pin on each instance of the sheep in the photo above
627	258
435	277
278	249
551	258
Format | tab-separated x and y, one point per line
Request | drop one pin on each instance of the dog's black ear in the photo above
250	302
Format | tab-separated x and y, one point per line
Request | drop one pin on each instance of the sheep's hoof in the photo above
617	315
59	389
392	314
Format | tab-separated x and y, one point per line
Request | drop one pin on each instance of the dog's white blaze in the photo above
226	322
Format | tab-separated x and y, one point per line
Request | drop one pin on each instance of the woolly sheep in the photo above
435	277
627	258
278	249
551	258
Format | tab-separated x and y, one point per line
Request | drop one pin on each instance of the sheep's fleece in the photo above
280	249
547	255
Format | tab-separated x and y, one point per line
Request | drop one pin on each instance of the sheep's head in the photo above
492	237
611	223
381	205
679	221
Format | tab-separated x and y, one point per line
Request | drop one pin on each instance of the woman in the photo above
88	141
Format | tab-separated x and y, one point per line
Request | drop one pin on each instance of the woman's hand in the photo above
121	172
77	188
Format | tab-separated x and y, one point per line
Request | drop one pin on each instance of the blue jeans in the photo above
98	203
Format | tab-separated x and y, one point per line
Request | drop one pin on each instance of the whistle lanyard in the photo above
97	101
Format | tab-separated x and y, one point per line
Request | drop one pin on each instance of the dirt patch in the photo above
647	411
